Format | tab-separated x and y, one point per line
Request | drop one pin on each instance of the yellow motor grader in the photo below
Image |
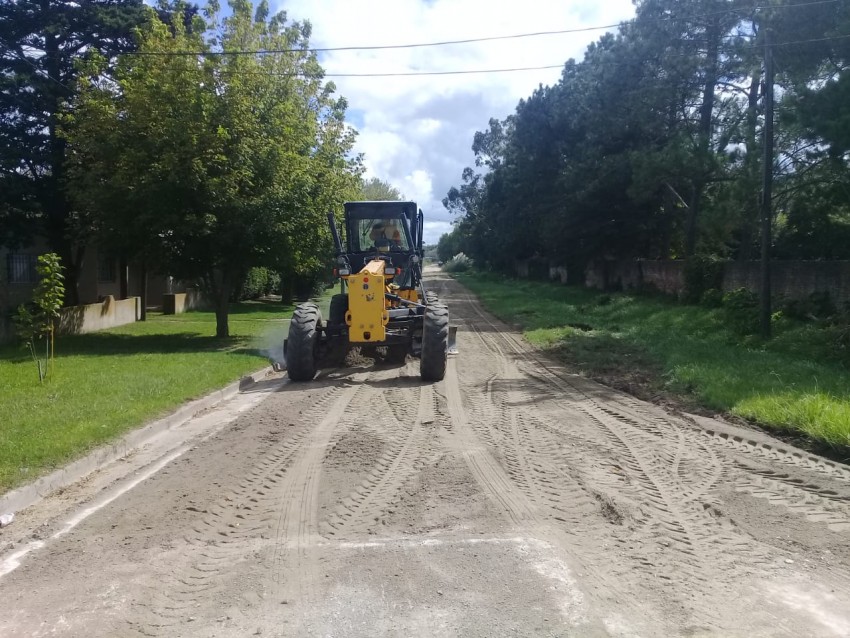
384	309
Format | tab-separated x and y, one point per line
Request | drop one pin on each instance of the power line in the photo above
473	40
516	36
505	70
465	72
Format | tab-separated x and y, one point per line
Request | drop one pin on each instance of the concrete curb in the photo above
27	495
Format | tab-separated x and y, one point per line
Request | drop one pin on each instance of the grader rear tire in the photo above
301	346
435	343
337	310
338	350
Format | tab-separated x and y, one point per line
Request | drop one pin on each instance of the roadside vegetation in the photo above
652	144
660	349
129	131
106	383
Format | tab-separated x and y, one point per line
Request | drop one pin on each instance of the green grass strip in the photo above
108	382
798	382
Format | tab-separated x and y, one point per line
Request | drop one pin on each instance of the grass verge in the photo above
796	383
106	383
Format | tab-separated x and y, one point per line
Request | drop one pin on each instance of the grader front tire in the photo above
301	346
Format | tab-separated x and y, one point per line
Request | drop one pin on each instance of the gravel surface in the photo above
511	499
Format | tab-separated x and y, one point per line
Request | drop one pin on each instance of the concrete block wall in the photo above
179	302
790	279
99	316
793	279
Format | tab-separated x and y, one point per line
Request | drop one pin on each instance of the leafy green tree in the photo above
376	189
450	244
40	43
651	145
208	165
38	321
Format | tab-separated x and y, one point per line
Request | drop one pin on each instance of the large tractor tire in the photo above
338	349
435	343
338	308
301	346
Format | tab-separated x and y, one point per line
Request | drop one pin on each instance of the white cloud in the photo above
417	186
416	132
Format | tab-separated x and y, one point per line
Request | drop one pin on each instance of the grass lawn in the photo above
798	382
106	383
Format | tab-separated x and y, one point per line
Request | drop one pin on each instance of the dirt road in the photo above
512	499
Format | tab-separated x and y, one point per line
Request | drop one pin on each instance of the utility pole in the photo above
767	187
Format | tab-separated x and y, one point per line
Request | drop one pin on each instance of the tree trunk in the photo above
693	218
220	289
222	329
751	162
287	287
54	200
665	241
705	130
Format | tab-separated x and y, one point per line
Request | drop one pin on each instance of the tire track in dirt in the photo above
486	470
297	524
225	533
533	497
697	479
805	466
562	508
805	500
364	505
518	437
666	526
672	486
775	453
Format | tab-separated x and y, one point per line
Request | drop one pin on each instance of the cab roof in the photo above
381	209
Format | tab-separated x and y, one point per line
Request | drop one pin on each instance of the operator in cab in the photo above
385	235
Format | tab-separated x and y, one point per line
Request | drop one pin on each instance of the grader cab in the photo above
384	308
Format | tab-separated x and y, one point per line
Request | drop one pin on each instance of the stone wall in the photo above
791	279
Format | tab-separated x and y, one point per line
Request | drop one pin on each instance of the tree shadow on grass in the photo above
103	344
260	306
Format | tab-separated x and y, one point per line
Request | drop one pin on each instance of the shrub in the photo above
817	306
741	308
458	263
702	273
259	282
712	298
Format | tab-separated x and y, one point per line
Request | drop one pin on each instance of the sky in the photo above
416	132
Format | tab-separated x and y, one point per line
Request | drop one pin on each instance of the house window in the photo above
105	269
21	268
